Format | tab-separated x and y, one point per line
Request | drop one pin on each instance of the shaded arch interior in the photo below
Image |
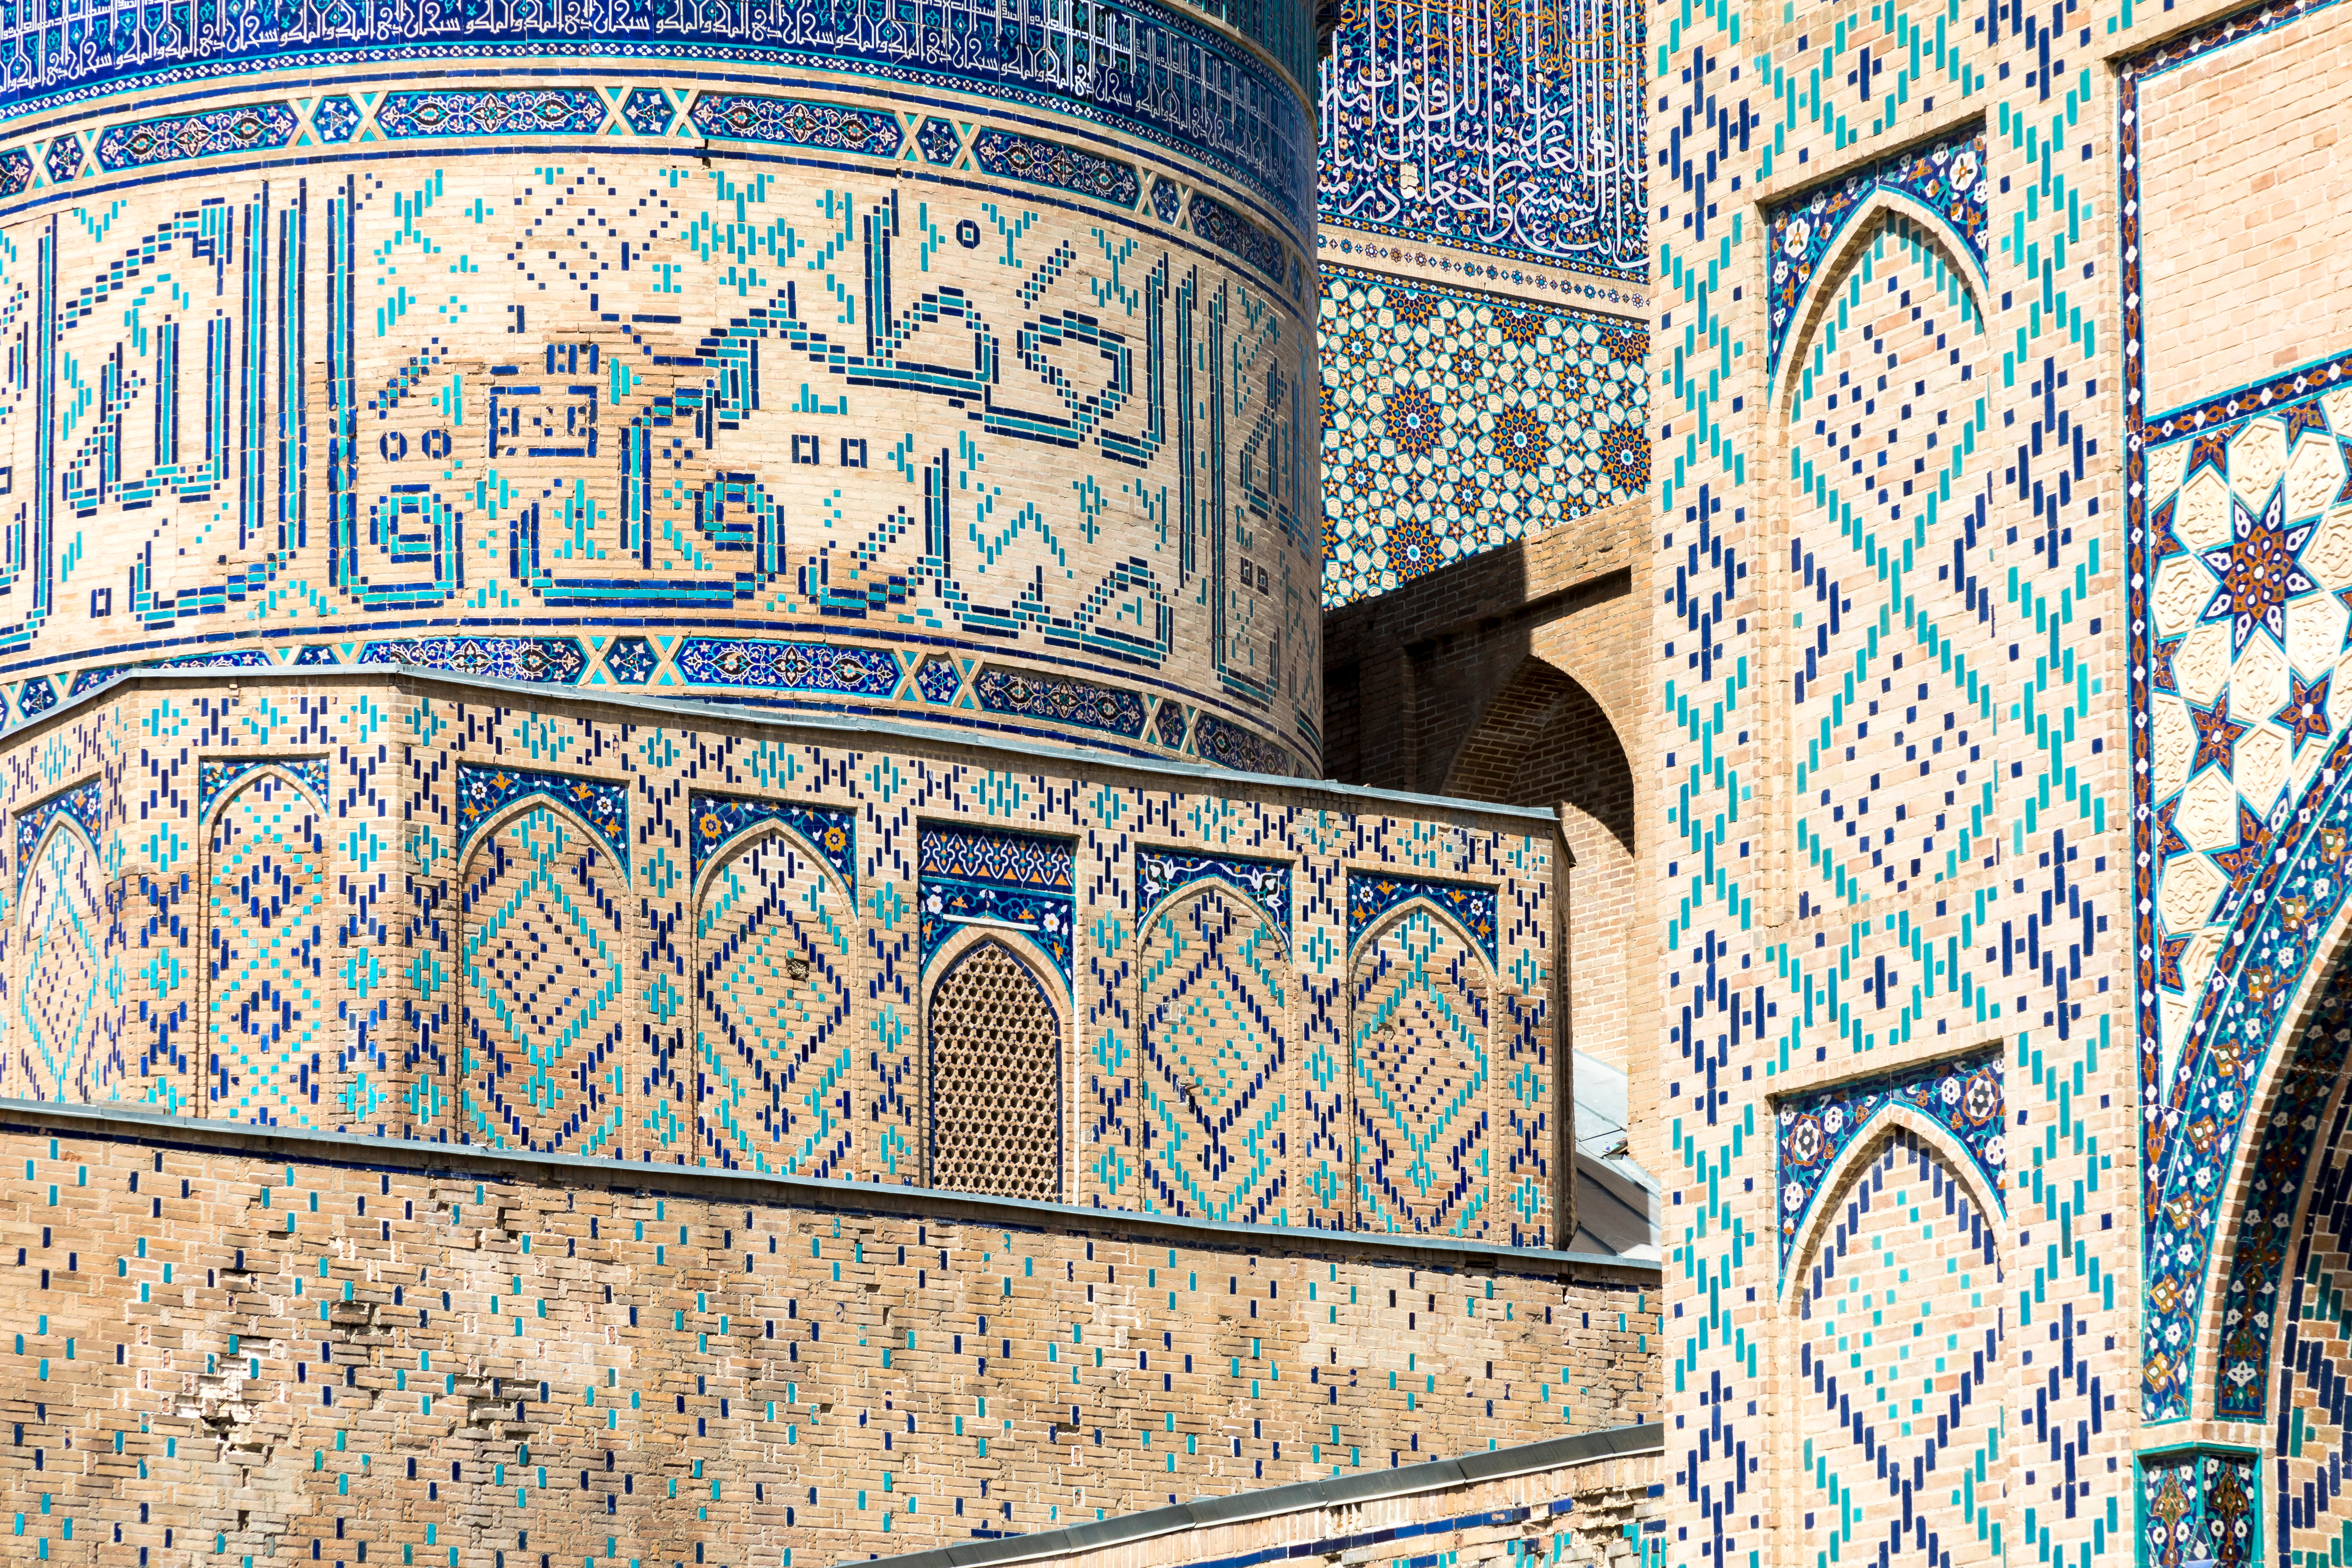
1544	740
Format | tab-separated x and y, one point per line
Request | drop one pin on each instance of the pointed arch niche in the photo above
1421	1055
1883	501
542	888
274	1052
1890	1349
1215	990
995	1028
63	1042
774	974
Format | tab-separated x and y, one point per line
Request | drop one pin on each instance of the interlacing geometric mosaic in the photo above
1454	422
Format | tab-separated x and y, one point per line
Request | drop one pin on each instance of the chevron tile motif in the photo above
1899	1331
540	967
1216	1012
1420	1031
265	938
60	1052
772	986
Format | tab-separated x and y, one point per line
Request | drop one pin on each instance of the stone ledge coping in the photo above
54	1118
683	709
1499	1464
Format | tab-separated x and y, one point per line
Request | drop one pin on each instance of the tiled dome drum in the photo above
936	368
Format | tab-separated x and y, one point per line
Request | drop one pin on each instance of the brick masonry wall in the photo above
1595	1513
239	1345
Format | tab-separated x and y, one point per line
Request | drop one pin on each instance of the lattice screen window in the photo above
996	1080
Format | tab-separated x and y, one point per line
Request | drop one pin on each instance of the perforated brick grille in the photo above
996	1080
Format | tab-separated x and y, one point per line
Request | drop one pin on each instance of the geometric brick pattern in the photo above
773	981
430	952
1420	1031
274	1057
1899	1371
1893	491
62	1051
542	975
995	1078
1993	909
1216	1015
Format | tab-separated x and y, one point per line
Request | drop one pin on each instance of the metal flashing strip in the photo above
685	709
1406	1480
55	1119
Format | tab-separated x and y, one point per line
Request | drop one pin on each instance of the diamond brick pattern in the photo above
1899	1385
773	972
1422	1076
62	1051
1214	1083
541	971
274	1057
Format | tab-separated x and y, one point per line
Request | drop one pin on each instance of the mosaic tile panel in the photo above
794	123
1067	701
84	806
829	832
147	143
1961	1095
514	112
774	974
1454	422
1052	163
2200	1506
1162	874
1946	179
2240	819
2279	1185
601	804
1372	894
215	776
275	1056
508	658
540	967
